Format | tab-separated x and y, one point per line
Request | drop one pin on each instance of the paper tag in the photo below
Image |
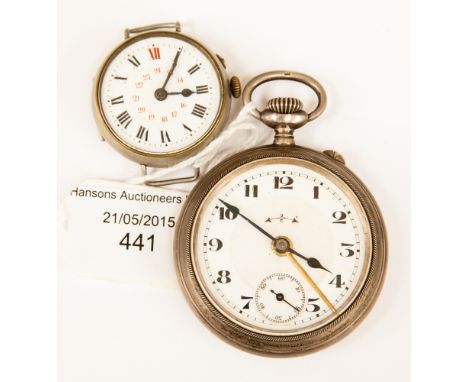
120	232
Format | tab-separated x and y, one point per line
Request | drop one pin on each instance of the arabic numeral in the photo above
311	307
215	244
224	277
337	281
340	217
283	182
251	190
347	252
247	305
226	213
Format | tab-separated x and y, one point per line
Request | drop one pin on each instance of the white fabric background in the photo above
359	51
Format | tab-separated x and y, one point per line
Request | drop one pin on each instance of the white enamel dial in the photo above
152	109
241	270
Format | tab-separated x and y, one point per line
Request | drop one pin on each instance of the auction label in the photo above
120	232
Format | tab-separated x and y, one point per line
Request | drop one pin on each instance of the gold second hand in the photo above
311	282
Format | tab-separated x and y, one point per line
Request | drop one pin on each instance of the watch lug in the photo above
148	28
335	155
221	60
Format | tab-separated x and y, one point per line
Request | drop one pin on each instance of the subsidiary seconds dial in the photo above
280	297
161	94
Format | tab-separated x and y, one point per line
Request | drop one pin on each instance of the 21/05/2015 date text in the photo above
143	220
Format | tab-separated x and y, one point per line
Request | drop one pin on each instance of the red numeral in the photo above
154	53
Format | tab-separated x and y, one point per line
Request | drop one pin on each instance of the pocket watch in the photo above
161	96
281	249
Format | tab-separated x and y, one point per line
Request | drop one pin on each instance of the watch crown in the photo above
236	88
284	114
284	105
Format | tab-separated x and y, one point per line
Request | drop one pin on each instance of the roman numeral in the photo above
117	100
187	128
154	53
199	110
142	133
316	192
193	69
120	78
124	119
165	136
202	89
134	61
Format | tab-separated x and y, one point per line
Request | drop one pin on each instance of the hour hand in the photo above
184	92
311	261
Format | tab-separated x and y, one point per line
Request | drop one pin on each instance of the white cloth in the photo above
241	134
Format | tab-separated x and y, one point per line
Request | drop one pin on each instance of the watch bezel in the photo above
266	344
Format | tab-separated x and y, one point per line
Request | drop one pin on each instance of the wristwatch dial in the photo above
160	94
244	275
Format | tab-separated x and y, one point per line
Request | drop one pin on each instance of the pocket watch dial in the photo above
160	94
281	246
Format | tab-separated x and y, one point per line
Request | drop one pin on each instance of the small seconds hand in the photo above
280	297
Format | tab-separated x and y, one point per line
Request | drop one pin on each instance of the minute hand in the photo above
171	70
311	261
235	211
